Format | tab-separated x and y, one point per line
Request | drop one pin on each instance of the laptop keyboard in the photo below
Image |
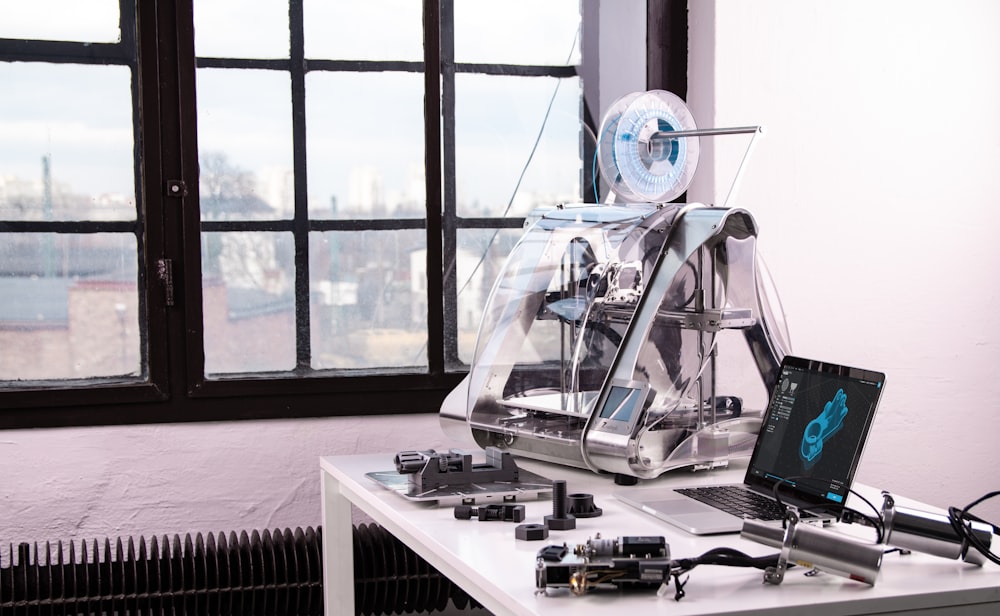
737	501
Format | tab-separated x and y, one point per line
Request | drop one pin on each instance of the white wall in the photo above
91	483
876	189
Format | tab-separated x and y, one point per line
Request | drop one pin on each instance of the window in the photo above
72	240
236	209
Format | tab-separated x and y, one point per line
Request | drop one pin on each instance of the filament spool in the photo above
637	157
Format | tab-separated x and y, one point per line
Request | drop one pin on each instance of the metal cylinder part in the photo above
815	547
931	533
766	533
834	553
599	546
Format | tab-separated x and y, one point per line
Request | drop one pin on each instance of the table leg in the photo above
338	549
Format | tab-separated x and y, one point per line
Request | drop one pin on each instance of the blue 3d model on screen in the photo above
822	428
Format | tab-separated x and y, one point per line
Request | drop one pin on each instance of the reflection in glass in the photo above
67	138
500	171
245	144
241	29
365	145
68	306
369	30
494	32
85	21
480	257
368	299
248	297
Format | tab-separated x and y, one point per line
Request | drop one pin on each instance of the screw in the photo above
560	520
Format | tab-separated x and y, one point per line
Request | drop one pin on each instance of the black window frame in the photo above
169	227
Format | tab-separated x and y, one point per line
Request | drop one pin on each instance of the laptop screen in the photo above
814	431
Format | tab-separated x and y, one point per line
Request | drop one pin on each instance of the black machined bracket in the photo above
505	512
453	478
429	469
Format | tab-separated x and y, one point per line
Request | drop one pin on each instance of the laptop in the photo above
812	437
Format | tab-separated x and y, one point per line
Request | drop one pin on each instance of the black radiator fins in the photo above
265	573
260	573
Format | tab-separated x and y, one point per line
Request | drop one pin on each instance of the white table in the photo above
495	568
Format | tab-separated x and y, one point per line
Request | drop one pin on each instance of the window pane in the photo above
245	144
241	29
369	299
365	145
518	32
481	256
90	21
67	138
68	306
497	123
248	296
368	30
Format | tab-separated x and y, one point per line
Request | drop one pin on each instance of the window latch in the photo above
165	272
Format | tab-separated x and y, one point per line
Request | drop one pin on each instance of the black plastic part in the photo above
559	520
553	553
625	480
513	513
429	470
643	546
567	522
582	506
531	532
506	512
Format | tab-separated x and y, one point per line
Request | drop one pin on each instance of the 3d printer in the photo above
600	339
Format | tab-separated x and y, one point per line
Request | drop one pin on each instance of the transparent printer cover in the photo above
556	332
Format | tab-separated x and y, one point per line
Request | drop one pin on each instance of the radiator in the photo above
270	573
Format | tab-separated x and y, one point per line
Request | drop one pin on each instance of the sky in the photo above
353	121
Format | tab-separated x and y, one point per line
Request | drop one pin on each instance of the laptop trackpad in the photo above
680	506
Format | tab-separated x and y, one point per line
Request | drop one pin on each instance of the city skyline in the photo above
365	191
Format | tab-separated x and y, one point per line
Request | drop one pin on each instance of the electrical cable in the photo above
847	514
524	170
728	557
593	165
960	517
517	186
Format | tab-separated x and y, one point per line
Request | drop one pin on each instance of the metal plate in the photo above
528	486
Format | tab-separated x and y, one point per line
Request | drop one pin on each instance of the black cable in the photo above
852	516
718	556
728	557
734	558
847	514
959	519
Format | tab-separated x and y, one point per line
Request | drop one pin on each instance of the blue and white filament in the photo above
642	163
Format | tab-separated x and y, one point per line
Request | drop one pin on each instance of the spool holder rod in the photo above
667	135
705	132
